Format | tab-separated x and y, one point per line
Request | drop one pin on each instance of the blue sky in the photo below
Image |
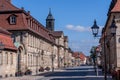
74	17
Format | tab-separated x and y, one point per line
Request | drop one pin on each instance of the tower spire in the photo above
50	21
49	10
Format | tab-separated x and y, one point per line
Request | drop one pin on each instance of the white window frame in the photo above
12	19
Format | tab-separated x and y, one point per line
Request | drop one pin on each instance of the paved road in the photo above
73	73
76	73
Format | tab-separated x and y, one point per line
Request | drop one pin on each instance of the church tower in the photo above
50	22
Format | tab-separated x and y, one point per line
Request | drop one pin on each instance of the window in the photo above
50	24
1	58
28	60
11	56
13	19
21	37
13	38
6	58
31	60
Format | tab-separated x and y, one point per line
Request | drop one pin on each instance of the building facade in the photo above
38	46
80	58
111	43
8	55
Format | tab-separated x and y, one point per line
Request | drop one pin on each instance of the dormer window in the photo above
12	19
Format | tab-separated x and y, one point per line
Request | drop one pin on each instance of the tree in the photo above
93	54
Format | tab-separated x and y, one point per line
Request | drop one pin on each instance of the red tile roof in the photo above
75	54
5	5
79	55
20	24
82	56
22	21
57	33
6	40
3	31
116	8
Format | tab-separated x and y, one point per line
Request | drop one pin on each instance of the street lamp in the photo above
95	30
52	58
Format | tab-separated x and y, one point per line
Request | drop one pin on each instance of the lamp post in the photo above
97	52
79	59
95	30
52	58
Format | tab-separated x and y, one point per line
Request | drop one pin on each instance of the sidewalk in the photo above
34	76
92	75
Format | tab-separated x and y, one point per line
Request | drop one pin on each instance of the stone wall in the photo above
8	63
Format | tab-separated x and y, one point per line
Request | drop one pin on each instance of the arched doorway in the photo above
21	58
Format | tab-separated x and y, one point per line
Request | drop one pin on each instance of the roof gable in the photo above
23	21
79	55
6	39
3	31
5	5
116	8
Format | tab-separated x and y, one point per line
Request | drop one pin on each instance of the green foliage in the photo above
93	52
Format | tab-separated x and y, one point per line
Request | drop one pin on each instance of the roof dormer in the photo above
12	19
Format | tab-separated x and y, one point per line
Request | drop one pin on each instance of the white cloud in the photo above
78	28
81	28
